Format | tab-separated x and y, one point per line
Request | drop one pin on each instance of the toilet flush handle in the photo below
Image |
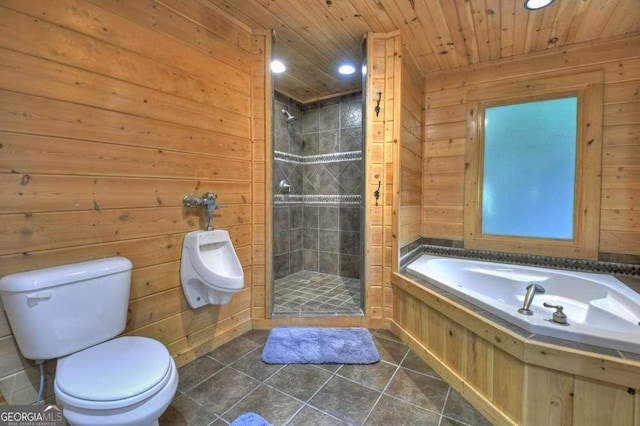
42	295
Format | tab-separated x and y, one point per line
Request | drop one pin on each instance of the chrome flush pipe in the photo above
208	200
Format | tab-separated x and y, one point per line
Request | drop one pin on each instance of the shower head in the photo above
290	118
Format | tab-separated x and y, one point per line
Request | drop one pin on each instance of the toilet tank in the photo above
57	311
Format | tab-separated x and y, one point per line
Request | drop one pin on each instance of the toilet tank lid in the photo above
65	274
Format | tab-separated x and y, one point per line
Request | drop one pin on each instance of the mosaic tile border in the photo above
410	252
317	159
595	266
288	199
316	199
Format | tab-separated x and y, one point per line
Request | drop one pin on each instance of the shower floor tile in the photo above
309	293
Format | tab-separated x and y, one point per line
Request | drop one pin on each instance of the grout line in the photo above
386	386
420	407
190	388
445	400
306	403
243	398
425	374
455	420
228	364
216	419
363	385
445	406
260	382
184	395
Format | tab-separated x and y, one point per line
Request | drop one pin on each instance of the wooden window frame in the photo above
588	88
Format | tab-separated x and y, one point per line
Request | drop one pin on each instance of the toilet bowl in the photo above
72	313
210	271
125	381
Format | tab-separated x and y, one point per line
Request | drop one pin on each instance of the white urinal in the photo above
210	270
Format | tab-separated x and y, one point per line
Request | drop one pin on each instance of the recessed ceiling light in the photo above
277	67
536	4
346	69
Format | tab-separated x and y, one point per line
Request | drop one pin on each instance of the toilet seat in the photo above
115	374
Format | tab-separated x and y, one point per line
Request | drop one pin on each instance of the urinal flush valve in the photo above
208	200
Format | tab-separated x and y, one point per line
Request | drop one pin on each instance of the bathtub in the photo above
600	309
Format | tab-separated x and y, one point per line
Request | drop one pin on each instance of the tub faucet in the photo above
558	316
532	289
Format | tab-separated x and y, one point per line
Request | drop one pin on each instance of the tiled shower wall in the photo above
317	223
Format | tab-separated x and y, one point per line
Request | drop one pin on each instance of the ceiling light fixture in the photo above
536	4
346	69
277	67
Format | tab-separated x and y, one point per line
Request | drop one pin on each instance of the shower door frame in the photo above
269	202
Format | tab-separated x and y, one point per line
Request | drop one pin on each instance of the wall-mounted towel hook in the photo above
376	193
377	108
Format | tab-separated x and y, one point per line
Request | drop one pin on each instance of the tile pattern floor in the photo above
309	293
399	390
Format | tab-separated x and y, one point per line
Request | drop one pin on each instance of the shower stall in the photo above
318	179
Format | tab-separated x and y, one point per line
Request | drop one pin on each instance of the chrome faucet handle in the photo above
187	201
558	316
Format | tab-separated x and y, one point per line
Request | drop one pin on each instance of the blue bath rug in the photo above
250	419
317	345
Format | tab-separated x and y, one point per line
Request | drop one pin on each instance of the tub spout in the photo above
532	289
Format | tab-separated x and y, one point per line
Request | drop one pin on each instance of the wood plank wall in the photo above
410	217
382	134
261	148
111	111
445	133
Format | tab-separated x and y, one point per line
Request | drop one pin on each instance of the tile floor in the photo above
308	293
399	390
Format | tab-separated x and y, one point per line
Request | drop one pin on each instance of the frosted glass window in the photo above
529	169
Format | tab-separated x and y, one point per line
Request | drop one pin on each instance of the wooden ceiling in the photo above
313	37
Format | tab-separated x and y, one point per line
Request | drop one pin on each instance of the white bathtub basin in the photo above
600	309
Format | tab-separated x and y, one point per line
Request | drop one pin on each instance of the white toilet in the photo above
71	312
210	270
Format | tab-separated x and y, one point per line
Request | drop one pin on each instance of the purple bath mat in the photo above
320	345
